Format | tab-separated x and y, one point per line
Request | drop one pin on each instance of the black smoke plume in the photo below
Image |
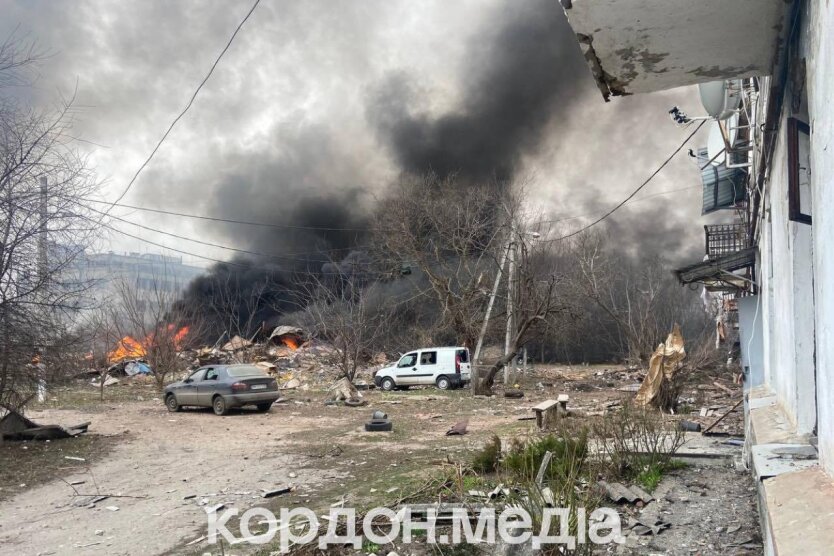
520	73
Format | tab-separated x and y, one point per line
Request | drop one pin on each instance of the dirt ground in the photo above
162	470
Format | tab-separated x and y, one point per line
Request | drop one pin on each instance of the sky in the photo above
323	103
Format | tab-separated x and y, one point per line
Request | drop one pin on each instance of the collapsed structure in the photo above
764	72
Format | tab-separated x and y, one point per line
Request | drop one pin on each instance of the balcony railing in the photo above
723	239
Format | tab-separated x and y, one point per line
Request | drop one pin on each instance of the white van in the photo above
445	367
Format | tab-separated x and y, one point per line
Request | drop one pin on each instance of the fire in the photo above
180	336
127	348
291	343
130	348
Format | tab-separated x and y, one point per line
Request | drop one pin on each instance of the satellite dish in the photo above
715	144
720	98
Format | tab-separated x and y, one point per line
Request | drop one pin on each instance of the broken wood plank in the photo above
709	428
543	467
276	492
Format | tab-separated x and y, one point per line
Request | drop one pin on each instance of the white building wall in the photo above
788	269
819	45
781	309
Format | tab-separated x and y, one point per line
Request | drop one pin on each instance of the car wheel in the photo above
264	406
388	384
172	404
443	382
218	404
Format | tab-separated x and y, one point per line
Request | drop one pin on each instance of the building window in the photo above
799	171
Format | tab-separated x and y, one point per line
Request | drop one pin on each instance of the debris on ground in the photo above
108	381
14	426
276	492
619	493
659	387
344	390
458	428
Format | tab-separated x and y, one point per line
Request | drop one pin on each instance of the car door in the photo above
427	368
406	369
208	386
187	393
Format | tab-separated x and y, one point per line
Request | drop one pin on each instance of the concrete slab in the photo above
757	403
707	450
800	508
770	425
772	460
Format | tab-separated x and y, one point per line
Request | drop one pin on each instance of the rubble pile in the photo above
288	354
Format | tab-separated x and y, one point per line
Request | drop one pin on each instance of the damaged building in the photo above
764	72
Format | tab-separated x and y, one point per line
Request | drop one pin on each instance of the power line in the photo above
229	220
190	102
327	228
232	263
641	199
633	193
289	256
210	244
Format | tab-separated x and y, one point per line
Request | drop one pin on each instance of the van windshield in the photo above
408	360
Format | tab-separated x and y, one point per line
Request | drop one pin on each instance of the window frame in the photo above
795	214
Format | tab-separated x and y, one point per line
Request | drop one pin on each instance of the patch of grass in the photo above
650	477
652	473
524	459
80	394
37	462
462	550
370	547
487	460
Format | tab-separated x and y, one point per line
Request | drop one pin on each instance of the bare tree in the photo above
237	309
17	54
341	310
450	232
537	306
641	297
44	225
151	319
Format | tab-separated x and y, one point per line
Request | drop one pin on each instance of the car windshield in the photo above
245	370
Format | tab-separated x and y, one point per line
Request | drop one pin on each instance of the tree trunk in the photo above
485	384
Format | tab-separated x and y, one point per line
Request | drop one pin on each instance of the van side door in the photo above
406	369
428	369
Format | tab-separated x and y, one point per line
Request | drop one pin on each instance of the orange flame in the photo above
180	336
127	348
291	343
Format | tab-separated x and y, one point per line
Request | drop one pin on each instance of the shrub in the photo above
487	460
524	459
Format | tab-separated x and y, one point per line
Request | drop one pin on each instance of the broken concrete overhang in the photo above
640	46
717	274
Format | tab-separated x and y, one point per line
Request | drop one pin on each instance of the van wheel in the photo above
443	382
388	384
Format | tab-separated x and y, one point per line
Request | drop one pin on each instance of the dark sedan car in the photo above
222	387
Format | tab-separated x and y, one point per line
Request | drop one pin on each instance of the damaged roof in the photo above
717	274
640	46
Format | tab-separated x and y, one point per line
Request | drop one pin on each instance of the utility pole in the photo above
480	344
42	277
42	239
510	293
